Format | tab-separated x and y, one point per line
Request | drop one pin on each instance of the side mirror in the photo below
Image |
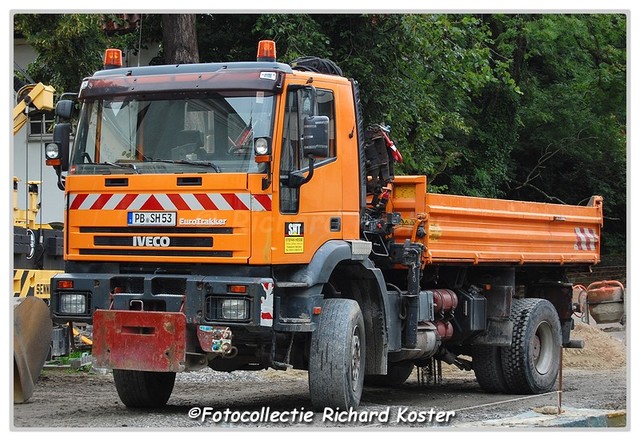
64	109
316	136
315	144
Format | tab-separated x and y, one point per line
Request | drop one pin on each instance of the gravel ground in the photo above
88	400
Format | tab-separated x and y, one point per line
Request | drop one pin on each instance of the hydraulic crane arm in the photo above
39	96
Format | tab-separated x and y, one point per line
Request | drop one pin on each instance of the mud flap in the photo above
139	340
32	329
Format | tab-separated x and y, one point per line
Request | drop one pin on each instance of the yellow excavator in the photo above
32	325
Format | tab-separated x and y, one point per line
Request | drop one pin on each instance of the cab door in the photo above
309	191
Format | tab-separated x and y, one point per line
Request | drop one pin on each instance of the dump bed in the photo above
483	230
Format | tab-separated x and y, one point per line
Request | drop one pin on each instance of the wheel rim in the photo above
543	348
355	358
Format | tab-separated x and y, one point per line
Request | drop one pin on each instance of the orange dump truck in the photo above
241	216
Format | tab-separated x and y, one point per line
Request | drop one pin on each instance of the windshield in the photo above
203	133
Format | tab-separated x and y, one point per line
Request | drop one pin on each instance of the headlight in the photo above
52	150
261	146
73	304
234	309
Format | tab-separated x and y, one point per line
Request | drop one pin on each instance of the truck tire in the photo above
532	362
487	365
140	389
397	374
337	356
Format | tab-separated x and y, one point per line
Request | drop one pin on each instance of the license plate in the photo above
147	218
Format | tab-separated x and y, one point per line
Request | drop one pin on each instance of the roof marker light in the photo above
266	50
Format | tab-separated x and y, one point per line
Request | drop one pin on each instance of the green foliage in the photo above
529	107
296	35
572	115
419	73
69	47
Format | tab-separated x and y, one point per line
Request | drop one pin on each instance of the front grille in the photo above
127	284
152	252
159	285
169	285
161	241
124	241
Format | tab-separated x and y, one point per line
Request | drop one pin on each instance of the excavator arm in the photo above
36	96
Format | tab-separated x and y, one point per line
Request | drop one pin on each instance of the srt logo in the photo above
151	241
294	229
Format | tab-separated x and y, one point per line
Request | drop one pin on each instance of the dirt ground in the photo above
594	378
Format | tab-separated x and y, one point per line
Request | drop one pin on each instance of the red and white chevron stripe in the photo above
586	239
170	201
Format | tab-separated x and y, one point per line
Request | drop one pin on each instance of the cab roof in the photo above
175	69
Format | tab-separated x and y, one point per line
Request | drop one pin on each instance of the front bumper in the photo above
159	322
203	300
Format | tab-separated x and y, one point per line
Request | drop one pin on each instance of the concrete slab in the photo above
570	417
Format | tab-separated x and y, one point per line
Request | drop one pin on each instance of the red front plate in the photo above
139	340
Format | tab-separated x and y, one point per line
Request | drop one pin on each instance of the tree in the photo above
179	39
69	47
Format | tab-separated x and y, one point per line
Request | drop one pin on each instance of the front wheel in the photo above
532	362
337	356
140	389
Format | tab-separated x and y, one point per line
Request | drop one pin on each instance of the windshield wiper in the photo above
120	165
187	162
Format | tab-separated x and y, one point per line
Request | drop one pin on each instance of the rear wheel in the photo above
487	365
532	362
337	356
144	389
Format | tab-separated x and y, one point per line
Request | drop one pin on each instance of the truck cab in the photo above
197	195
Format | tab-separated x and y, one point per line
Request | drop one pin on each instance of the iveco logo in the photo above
151	241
